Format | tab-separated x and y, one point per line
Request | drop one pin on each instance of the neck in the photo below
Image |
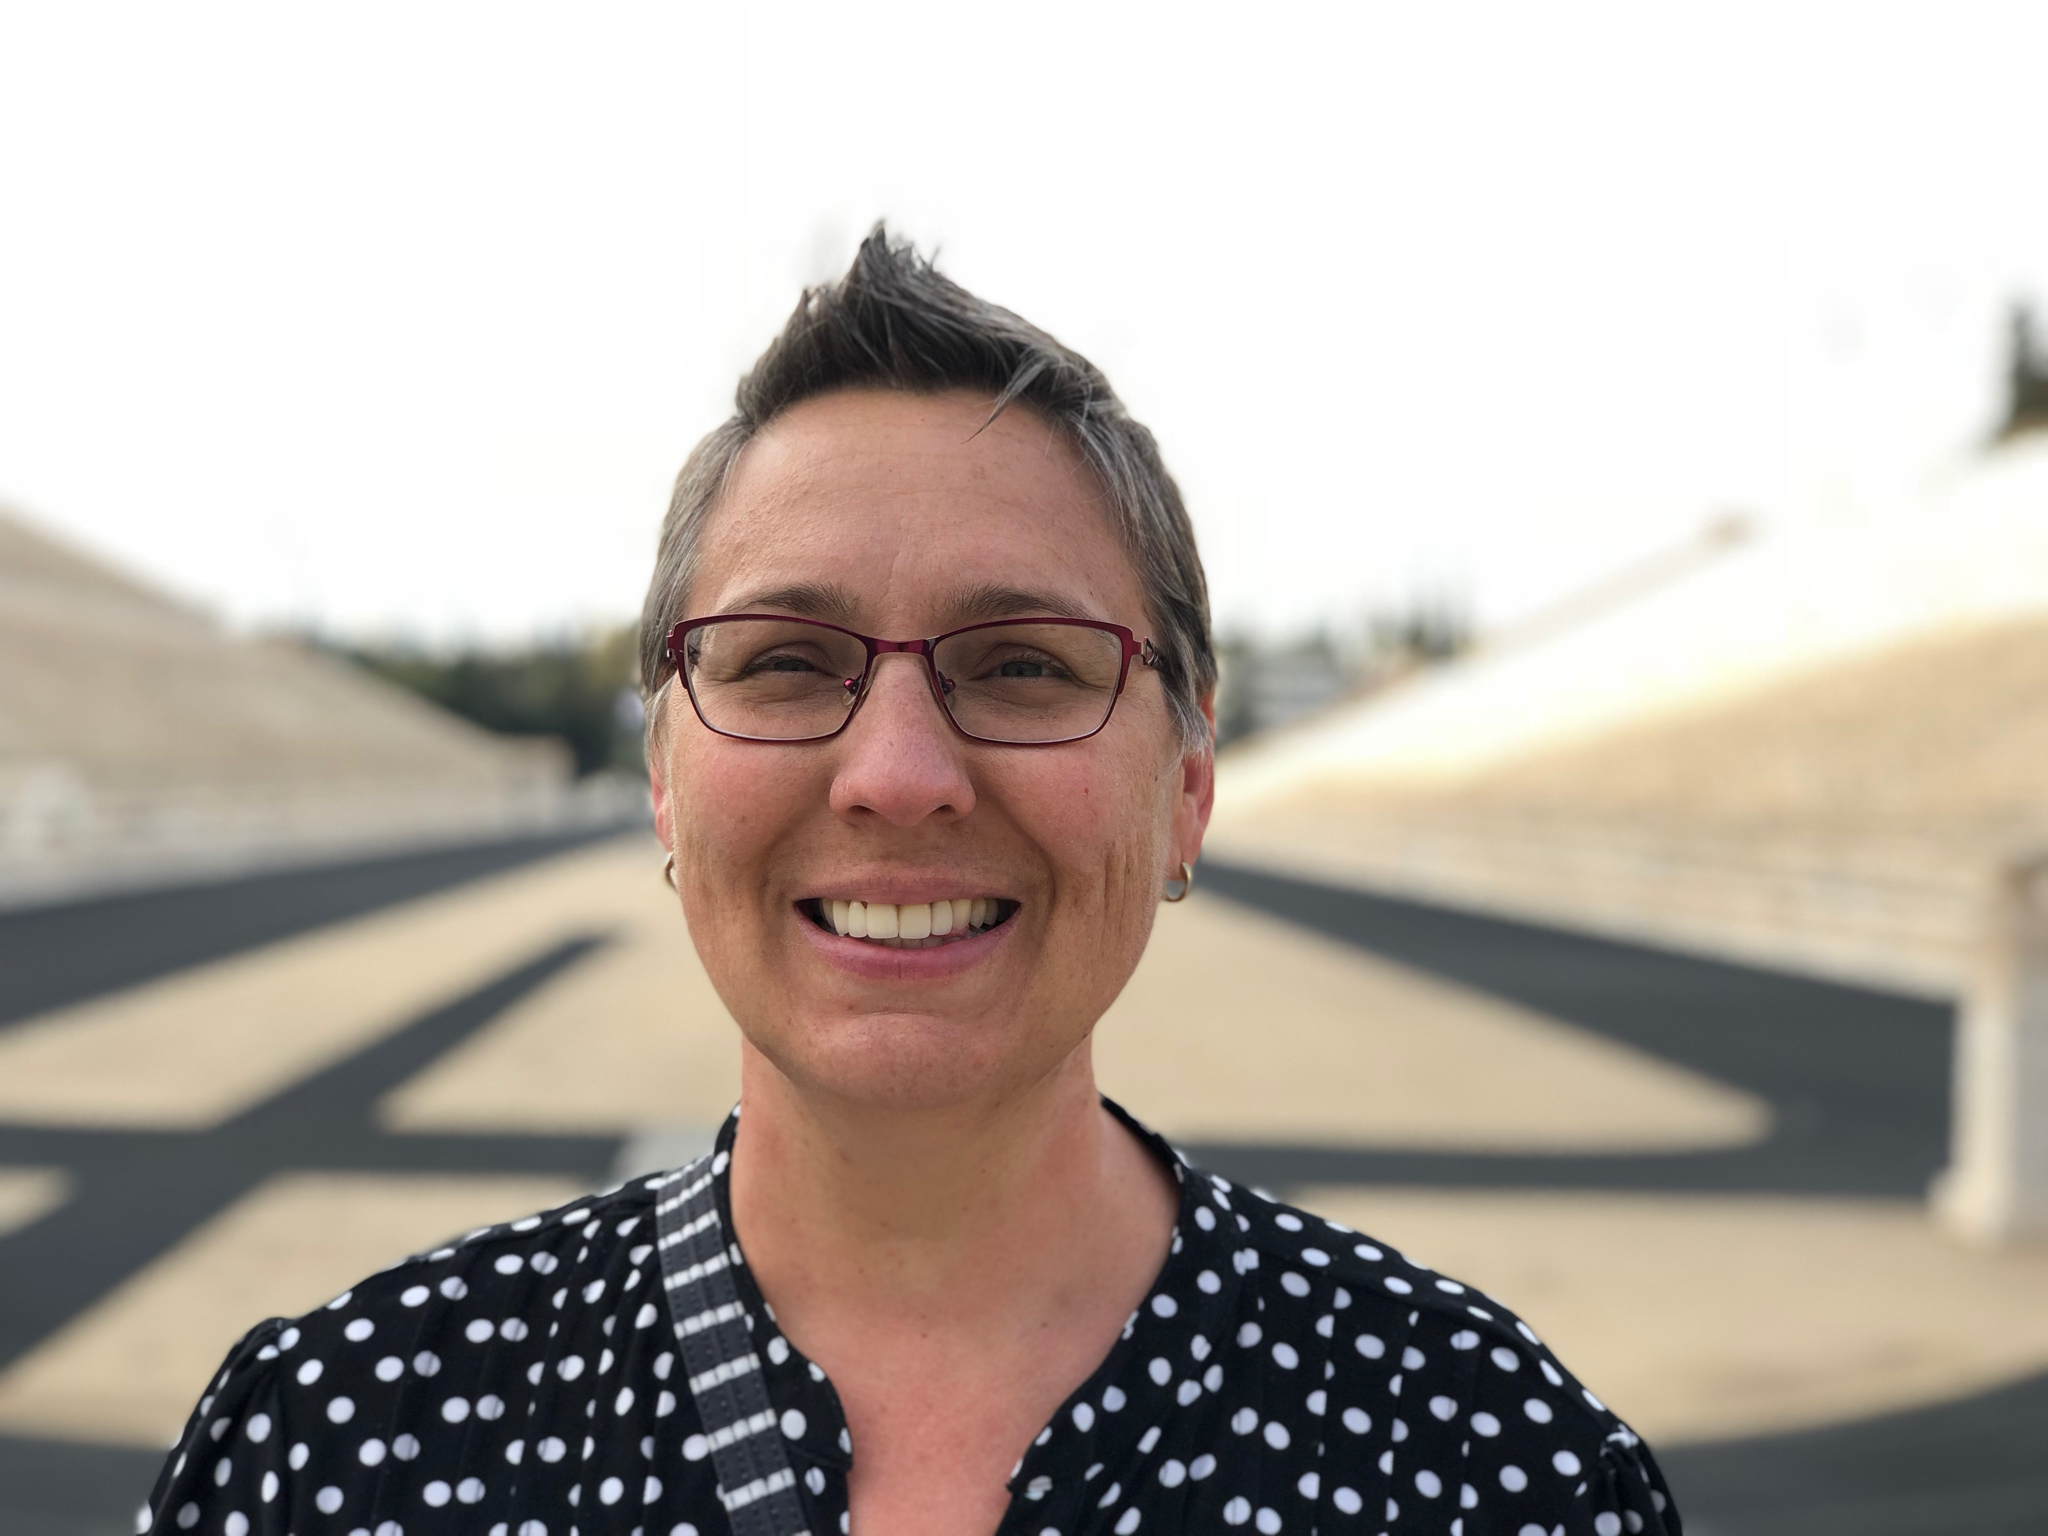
940	1214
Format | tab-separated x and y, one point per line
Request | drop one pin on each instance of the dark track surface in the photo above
65	953
1859	1081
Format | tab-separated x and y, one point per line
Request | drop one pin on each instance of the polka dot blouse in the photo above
1284	1374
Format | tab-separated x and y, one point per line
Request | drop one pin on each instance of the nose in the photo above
901	758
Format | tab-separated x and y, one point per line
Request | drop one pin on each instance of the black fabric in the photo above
1283	1374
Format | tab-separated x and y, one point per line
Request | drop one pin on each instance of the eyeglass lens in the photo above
778	681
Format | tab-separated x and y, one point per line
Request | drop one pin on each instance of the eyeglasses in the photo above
1018	682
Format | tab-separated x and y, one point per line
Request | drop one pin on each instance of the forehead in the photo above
916	507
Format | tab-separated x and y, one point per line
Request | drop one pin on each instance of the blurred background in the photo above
1619	444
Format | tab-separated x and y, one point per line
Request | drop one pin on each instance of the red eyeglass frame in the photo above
1134	649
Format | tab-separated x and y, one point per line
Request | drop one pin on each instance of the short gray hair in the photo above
893	322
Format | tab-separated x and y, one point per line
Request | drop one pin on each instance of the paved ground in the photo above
1566	1121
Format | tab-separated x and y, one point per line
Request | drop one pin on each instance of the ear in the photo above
657	780
1197	791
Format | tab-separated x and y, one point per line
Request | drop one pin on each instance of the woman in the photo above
929	676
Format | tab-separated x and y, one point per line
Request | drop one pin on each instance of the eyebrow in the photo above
988	600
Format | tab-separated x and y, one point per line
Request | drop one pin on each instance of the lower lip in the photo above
878	962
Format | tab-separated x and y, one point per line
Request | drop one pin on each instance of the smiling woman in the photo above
929	1281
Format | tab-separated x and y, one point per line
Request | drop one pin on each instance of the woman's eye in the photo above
1022	669
780	663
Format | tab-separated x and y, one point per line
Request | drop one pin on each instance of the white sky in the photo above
399	318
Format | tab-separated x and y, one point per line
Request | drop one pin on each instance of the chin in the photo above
911	1064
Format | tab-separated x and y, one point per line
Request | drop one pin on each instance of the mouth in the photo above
909	925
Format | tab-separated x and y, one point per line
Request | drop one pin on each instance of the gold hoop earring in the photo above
1186	882
668	872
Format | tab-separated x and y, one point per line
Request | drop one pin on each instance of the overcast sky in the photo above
398	319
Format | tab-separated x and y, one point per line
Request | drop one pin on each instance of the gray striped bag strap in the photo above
755	1483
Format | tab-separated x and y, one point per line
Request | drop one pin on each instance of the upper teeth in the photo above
910	920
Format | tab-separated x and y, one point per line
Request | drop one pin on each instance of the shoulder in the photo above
1447	1391
438	1347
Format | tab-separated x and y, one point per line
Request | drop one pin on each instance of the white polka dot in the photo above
1201	1467
359	1330
1464	1338
470	1490
1538	1410
1444	1408
341	1409
569	1367
1172	1473
1468	1496
437	1493
1084	1416
1566	1463
1128	1521
1357	1420
1113	1399
405	1447
1268	1521
1287	1221
1505	1358
479	1330
1513	1478
544	1263
794	1423
696	1448
455	1288
1293	1284
1428	1484
1318	1402
371	1452
188	1514
455	1409
1237	1511
490	1406
1372	1346
1314	1256
327	1500
1276	1434
414	1295
1399	1286
297	1459
509	1264
1245	1420
1607	1523
426	1362
258	1427
1486	1424
1412	1359
1285	1357
340	1301
270	1486
1347	1500
390	1528
1164	1306
610	1491
310	1372
1212	1378
554	1448
288	1339
533	1528
1532	1529
236	1524
651	1489
1208	1282
1367	1251
390	1368
1205	1218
